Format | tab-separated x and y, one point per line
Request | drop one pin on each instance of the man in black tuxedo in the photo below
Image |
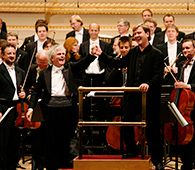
34	37
59	103
170	50
20	55
33	47
123	29
11	77
79	32
144	70
187	152
96	69
151	22
2	33
147	13
38	135
169	19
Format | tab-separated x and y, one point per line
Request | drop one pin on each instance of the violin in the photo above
21	121
184	100
22	107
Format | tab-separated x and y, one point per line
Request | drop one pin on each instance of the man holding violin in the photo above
187	152
11	77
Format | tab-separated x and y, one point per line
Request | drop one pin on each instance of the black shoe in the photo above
159	166
129	155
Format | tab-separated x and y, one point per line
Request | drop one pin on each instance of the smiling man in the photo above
171	49
59	104
11	77
144	70
42	32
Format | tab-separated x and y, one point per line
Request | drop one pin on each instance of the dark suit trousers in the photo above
60	124
132	112
9	141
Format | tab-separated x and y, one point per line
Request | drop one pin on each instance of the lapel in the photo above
87	48
47	75
18	78
192	73
165	51
6	74
65	73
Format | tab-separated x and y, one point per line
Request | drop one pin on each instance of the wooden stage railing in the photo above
82	123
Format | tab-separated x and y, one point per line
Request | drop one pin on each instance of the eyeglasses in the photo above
120	25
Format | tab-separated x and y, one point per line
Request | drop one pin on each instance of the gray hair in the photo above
125	22
53	50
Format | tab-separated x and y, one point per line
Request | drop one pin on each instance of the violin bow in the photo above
28	68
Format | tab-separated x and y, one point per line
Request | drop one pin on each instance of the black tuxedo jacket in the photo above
44	80
84	50
26	41
86	35
155	41
163	48
30	50
112	40
6	84
158	29
3	35
20	56
31	79
161	36
190	36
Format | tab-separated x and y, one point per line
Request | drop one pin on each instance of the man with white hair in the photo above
59	103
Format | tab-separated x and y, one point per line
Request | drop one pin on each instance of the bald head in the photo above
42	60
94	30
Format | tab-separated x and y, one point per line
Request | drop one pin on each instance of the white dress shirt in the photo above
152	39
166	38
40	45
94	67
12	73
79	36
187	70
172	52
57	82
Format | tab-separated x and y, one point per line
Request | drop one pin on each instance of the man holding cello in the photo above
187	152
11	77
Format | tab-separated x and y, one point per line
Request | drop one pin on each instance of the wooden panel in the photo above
110	162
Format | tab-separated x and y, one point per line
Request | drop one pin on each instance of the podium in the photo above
110	162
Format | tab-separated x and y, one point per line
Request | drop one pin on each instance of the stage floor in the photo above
28	165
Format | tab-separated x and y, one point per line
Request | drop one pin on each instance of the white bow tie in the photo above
59	69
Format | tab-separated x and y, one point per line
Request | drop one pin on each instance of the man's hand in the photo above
95	50
181	85
1	115
175	70
167	69
144	87
29	115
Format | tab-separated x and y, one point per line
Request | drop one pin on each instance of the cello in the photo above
22	107
113	133
184	100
